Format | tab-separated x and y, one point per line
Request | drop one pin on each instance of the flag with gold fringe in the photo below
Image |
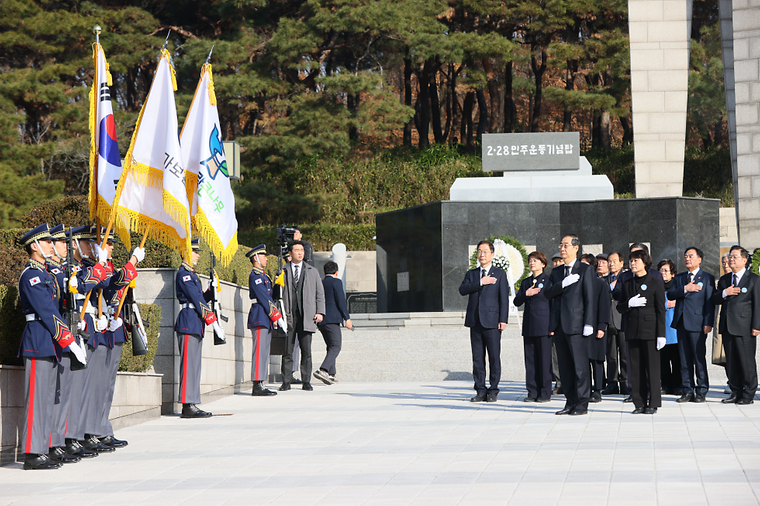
151	196
212	204
105	161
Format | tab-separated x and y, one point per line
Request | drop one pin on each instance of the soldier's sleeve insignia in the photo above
258	281
187	278
56	271
34	281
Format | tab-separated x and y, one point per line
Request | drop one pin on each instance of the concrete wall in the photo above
137	398
659	32
361	274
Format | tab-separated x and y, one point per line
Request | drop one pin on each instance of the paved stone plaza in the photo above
416	443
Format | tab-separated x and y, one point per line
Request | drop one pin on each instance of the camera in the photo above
285	235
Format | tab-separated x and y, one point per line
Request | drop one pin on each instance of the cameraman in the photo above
308	249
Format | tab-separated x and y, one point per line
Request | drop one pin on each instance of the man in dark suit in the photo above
572	321
487	313
617	358
336	310
693	320
738	294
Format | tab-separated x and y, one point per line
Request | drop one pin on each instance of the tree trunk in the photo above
567	115
482	114
352	104
466	129
408	100
423	100
494	97
627	130
435	105
538	73
605	133
510	110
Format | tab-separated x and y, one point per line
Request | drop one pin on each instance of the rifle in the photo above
216	306
134	324
70	302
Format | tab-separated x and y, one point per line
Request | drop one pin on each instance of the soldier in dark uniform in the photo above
105	358
56	267
195	314
44	338
261	319
91	274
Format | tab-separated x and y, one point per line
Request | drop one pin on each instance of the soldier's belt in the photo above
254	301
32	317
187	305
91	309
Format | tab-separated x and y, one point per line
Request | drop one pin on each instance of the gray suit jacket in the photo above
313	296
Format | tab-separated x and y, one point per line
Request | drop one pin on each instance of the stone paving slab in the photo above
416	443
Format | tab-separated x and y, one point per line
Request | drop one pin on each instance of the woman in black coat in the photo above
536	339
642	303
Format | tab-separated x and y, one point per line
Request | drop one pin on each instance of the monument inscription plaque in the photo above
531	151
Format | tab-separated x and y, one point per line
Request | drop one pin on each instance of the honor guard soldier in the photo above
194	315
89	275
107	353
44	338
55	265
261	319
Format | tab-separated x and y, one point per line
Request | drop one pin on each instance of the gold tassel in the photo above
165	54
109	80
211	93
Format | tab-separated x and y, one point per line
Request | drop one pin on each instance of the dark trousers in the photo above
741	365
555	366
332	336
482	341
304	345
644	373
692	347
597	374
538	366
617	360
572	354
670	368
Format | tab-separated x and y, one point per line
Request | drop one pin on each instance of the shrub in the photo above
151	315
11	325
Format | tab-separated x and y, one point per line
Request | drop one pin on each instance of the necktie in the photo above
295	275
567	270
482	273
691	277
736	280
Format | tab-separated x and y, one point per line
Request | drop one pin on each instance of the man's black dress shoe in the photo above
628	399
529	399
284	387
744	402
93	444
638	411
478	398
307	386
611	389
543	400
578	412
650	411
730	400
687	397
491	397
112	441
74	448
596	396
58	454
41	461
564	411
699	398
193	411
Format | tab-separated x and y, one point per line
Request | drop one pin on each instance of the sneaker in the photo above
332	379
322	376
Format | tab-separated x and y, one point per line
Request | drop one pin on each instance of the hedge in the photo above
322	236
151	315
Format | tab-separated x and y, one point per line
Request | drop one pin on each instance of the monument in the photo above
423	251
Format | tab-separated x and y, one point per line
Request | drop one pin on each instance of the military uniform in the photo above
194	315
261	320
42	342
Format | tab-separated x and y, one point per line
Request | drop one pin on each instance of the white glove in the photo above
587	329
73	283
660	343
139	254
101	324
571	279
115	324
101	253
283	324
215	281
637	301
78	352
218	329
82	326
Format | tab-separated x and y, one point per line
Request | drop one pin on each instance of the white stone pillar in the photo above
659	42
746	34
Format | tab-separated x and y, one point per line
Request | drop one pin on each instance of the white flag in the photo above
212	203
105	161
152	195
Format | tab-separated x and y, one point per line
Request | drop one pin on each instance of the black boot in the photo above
259	390
192	411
